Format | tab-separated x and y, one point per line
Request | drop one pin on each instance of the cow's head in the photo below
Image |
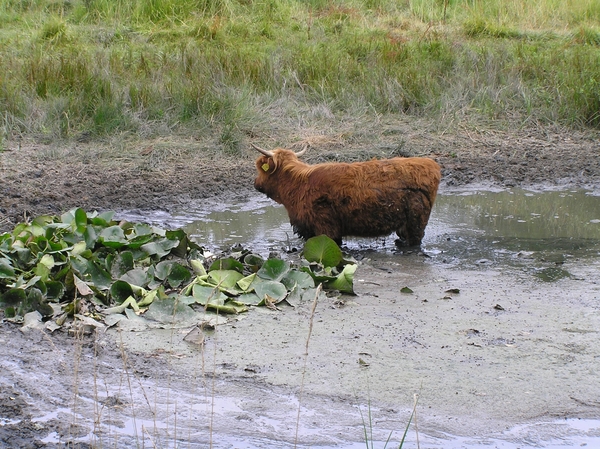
268	166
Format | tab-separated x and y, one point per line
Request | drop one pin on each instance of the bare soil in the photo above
506	350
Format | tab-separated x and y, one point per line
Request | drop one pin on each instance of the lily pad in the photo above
275	290
323	250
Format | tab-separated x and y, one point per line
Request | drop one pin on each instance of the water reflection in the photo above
514	228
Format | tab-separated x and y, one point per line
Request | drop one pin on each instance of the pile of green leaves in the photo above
59	266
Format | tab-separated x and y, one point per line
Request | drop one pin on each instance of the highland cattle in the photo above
361	199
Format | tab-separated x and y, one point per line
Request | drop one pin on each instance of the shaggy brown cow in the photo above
363	199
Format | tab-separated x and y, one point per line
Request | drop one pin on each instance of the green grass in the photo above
100	67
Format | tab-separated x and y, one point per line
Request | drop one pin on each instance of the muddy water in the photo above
535	231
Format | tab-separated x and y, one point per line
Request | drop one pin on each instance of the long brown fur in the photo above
363	199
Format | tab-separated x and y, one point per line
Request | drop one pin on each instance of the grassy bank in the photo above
90	68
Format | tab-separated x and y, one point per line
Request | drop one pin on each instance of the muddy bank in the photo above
505	350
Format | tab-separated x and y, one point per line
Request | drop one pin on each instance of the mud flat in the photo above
498	339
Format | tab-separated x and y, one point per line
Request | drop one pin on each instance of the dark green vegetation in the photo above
89	265
90	68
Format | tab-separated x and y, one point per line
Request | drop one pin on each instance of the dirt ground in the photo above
507	362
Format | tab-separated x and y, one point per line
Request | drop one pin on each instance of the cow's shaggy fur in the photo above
364	199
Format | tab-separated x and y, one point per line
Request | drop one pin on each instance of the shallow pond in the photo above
535	231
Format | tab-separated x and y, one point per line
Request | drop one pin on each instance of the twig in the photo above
310	328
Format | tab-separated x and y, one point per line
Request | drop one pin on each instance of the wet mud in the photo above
499	355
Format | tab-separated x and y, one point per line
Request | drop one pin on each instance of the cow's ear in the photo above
268	166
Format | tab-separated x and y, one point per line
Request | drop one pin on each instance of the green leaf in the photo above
162	269
137	276
273	270
120	291
250	299
6	269
245	283
406	290
98	276
318	277
170	310
35	301
121	264
113	237
55	290
254	262
12	297
323	250
204	295
225	278
181	237
198	267
275	290
300	279
80	220
178	275
228	263
160	248
139	241
103	219
345	280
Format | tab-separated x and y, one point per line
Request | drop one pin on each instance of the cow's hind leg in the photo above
417	216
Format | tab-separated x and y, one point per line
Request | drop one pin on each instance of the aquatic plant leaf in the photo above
35	301
318	277
121	264
178	275
297	278
80	220
148	298
250	299
225	278
198	267
181	237
345	280
113	237
253	262
170	310
137	276
245	283
323	250
274	269
275	290
42	271
203	295
161	248
129	302
55	290
103	219
162	269
139	241
120	291
98	275
227	263
12	297
6	269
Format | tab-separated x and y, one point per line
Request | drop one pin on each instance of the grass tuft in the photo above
101	67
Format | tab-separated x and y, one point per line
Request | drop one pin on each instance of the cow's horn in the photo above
259	149
300	153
